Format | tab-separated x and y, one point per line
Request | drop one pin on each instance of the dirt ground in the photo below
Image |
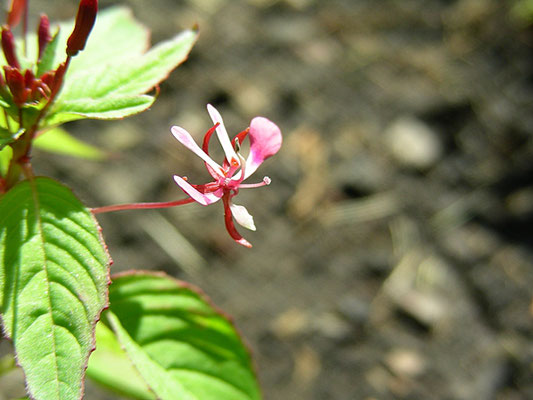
392	258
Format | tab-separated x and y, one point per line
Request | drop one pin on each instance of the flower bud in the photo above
84	24
15	12
17	87
8	46
58	79
43	33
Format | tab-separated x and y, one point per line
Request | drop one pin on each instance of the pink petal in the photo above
186	139
242	216
222	134
265	141
203	198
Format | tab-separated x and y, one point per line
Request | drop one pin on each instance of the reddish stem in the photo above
137	206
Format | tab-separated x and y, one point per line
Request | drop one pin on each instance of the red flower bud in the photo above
43	33
17	9
29	78
48	78
15	82
84	24
58	79
8	46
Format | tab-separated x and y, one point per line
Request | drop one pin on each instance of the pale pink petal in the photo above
202	198
186	139
265	141
222	134
242	216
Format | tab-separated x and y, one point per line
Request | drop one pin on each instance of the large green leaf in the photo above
180	343
109	79
110	366
53	284
116	34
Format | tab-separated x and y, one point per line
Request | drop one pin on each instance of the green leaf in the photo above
46	62
180	343
110	366
7	137
159	380
57	140
109	79
53	285
110	107
5	157
115	36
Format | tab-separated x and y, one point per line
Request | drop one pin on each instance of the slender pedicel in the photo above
139	206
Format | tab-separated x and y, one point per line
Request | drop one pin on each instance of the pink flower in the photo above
265	141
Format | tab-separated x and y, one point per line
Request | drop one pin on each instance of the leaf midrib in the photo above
40	232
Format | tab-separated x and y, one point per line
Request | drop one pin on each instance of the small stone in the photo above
292	322
332	326
413	143
404	362
354	310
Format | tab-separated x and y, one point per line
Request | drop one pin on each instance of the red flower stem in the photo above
138	206
20	161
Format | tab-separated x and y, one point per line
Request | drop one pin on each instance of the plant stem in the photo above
138	206
20	161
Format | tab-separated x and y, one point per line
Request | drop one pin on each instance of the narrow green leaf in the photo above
47	60
57	140
5	157
53	285
110	366
179	342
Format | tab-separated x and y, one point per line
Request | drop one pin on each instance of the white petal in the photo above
202	198
186	139
222	134
242	216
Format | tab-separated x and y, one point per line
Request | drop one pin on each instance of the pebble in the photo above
413	143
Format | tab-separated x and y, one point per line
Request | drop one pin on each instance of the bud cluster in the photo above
20	86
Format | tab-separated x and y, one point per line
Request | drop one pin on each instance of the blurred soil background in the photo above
393	255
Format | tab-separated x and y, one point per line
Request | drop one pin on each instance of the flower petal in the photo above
186	139
222	134
242	216
203	198
265	141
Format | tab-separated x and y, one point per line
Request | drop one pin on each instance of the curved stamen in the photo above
230	226
186	139
207	138
266	182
